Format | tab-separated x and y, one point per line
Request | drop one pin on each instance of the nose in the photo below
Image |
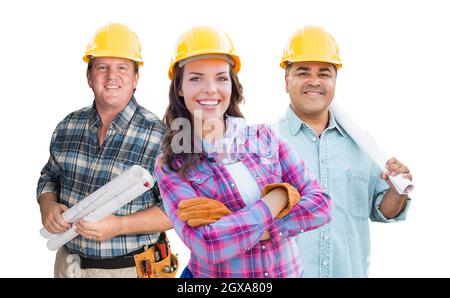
112	73
314	81
210	87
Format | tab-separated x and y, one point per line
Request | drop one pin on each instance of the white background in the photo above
394	81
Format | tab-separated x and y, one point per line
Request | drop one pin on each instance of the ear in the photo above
180	92
136	79
88	77
286	81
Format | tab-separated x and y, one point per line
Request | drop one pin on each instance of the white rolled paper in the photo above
368	144
103	202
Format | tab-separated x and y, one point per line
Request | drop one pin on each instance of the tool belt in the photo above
124	261
157	261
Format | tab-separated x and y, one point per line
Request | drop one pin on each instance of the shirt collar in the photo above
333	124
232	140
295	123
122	119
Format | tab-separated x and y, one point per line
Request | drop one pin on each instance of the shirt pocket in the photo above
357	194
203	183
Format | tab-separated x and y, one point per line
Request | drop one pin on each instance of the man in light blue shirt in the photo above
358	190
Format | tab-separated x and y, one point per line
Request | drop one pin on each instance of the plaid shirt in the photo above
78	166
230	247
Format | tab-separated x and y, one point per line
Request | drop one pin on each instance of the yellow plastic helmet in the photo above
203	40
114	40
311	44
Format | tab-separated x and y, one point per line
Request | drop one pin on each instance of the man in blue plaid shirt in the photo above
92	146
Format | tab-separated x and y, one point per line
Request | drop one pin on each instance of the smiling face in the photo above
113	81
311	87
206	88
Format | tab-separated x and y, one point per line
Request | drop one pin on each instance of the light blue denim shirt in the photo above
342	247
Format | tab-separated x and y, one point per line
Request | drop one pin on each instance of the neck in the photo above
108	113
318	122
107	117
209	129
212	134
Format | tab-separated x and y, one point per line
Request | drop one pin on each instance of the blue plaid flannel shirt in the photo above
78	166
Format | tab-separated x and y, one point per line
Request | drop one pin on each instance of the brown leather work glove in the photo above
201	211
293	196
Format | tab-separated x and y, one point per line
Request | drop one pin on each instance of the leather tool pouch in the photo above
157	261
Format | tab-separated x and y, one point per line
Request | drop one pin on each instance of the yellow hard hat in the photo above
203	40
311	44
114	40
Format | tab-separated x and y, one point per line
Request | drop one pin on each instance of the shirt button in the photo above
232	184
314	139
280	233
220	164
263	247
325	237
325	263
266	274
198	180
301	231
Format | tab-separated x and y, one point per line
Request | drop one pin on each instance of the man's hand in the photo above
393	202
102	230
51	214
394	168
201	211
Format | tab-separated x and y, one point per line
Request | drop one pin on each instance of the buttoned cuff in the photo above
379	216
47	187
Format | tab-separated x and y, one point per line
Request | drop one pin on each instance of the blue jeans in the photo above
186	273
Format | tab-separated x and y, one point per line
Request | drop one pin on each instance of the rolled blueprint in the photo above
368	144
103	202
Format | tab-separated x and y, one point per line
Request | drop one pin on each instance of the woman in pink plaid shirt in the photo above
236	194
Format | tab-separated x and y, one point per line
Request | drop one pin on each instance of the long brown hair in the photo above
181	162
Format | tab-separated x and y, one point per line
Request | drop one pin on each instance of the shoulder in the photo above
263	131
74	118
148	119
283	120
262	139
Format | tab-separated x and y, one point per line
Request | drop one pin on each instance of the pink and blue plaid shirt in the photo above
231	246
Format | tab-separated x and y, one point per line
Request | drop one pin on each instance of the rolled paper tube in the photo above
112	196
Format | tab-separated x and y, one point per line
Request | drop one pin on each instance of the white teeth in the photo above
112	87
208	102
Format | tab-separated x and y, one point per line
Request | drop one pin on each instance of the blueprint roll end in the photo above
409	189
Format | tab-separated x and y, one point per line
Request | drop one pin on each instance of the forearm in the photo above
48	197
392	203
219	241
276	200
151	220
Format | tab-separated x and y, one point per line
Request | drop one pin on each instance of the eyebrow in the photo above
106	64
308	69
303	68
201	74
